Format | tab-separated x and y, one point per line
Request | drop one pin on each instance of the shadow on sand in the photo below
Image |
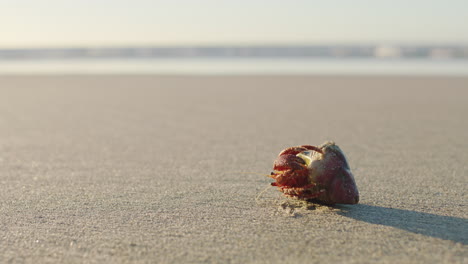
444	227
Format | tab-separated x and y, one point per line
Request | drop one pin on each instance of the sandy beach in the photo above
166	169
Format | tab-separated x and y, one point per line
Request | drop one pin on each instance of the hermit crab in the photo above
315	173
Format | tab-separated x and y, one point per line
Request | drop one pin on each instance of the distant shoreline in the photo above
236	66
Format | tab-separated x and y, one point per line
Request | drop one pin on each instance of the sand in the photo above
166	169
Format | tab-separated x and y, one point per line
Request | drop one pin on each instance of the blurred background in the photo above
104	158
234	37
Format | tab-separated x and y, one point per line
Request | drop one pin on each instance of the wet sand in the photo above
166	169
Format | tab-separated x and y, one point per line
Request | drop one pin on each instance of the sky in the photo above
69	23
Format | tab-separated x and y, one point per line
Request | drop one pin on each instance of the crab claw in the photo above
285	162
291	173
